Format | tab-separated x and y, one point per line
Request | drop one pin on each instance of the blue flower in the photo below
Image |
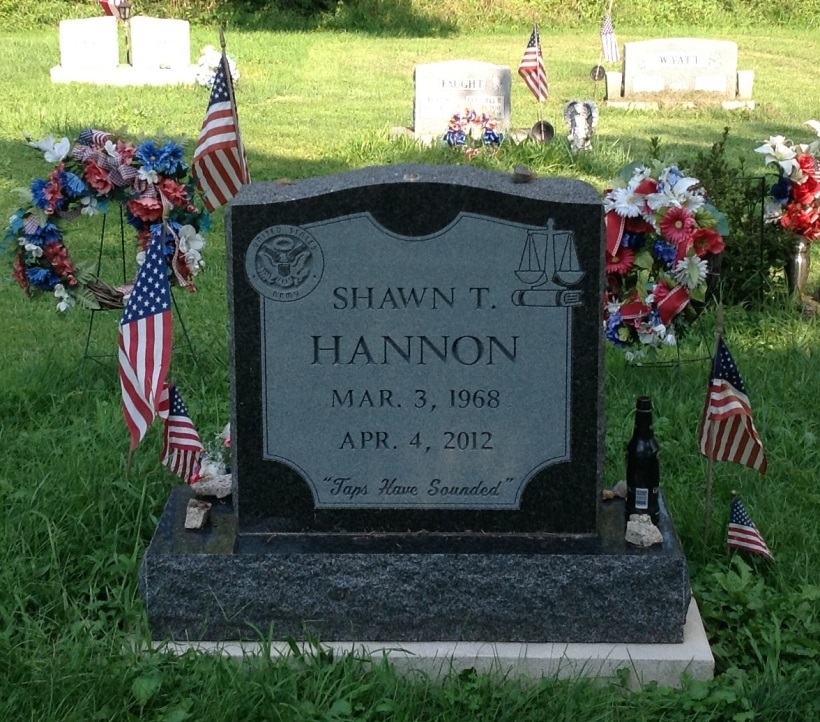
170	159
634	241
16	223
616	330
170	244
42	278
205	222
455	136
665	252
492	137
72	185
134	221
38	192
148	154
781	191
49	233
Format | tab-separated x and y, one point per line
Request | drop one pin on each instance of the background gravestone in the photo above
680	65
89	42
418	425
160	43
443	89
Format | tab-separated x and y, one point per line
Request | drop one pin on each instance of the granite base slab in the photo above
663	664
218	584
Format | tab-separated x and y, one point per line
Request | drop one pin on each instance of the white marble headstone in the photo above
680	65
157	43
89	43
443	89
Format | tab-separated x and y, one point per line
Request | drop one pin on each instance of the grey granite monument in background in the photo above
418	419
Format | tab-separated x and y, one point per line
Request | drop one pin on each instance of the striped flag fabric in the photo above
110	7
609	41
532	70
727	430
145	342
743	533
220	164
183	449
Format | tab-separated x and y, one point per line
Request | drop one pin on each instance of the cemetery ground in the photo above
75	525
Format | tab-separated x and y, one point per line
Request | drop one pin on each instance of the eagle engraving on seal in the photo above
284	263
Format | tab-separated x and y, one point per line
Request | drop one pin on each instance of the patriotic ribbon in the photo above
614	231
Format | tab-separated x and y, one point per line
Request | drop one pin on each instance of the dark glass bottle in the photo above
642	468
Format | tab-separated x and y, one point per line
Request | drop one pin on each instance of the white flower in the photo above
89	206
34	250
54	152
140	258
677	194
190	240
111	149
778	150
814	125
66	301
691	271
150	176
625	202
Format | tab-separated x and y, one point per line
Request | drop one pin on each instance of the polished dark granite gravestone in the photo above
418	425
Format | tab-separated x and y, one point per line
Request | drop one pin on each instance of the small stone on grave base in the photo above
641	532
196	514
218	486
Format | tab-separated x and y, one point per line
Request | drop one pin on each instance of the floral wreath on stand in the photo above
472	131
151	182
663	238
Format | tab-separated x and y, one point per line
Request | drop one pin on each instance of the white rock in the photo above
218	486
196	514
641	532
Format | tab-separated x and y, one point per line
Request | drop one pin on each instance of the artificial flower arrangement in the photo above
208	63
662	239
795	197
472	131
151	182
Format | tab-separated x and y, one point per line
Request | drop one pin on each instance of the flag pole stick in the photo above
710	462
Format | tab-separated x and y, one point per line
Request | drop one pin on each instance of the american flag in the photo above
727	431
146	340
183	448
220	164
743	533
609	42
110	7
532	69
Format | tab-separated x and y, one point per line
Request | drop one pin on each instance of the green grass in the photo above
74	526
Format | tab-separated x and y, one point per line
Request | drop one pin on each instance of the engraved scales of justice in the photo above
548	280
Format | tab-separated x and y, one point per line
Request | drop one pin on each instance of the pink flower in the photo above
146	208
126	152
807	165
678	225
174	192
98	178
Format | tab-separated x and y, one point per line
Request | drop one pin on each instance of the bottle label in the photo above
641	498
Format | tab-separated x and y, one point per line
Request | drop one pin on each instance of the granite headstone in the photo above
418	425
160	43
89	43
443	89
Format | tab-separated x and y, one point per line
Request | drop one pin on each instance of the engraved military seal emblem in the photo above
284	263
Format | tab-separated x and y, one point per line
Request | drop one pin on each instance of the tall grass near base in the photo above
74	524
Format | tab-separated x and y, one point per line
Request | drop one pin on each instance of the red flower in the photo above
707	240
807	165
806	191
126	151
801	221
621	263
20	274
174	192
146	208
98	178
678	225
144	237
637	225
57	256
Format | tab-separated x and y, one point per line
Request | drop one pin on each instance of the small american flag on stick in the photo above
727	431
145	342
532	70
183	448
743	533
609	41
220	164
